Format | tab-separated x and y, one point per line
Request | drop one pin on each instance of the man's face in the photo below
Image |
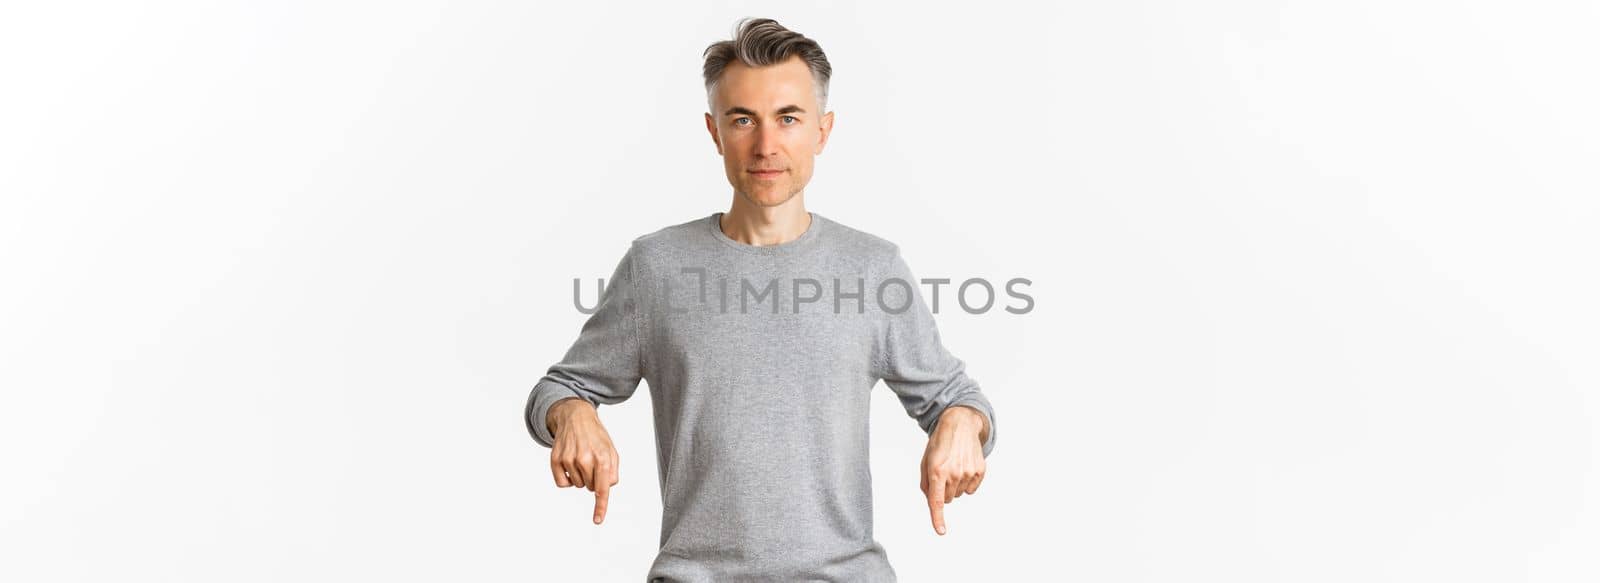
766	124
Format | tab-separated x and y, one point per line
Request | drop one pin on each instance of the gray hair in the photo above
758	42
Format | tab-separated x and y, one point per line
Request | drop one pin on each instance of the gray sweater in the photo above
760	360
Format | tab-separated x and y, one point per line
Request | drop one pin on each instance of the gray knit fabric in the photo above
760	360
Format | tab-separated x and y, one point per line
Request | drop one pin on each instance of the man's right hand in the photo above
583	455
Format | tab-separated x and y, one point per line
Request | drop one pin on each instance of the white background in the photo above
1314	282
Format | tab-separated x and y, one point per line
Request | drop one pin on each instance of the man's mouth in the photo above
766	173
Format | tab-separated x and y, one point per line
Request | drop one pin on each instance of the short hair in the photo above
759	42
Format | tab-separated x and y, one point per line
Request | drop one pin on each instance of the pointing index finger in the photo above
602	496
936	505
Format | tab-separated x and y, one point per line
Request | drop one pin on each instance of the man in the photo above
760	377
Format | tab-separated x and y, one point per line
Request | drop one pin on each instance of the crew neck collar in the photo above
804	241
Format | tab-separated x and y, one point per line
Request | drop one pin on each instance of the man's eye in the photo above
740	120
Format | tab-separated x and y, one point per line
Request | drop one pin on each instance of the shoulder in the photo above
676	236
858	238
674	231
869	248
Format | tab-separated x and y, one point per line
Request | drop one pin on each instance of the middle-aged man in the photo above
761	332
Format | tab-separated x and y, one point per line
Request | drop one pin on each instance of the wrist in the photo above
562	411
961	414
966	418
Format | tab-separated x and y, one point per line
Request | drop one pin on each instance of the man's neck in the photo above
761	226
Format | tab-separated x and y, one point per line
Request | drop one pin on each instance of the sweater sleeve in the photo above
914	362
604	364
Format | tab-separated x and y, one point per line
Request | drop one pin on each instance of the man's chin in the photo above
769	198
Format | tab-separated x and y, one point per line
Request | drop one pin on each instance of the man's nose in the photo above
766	142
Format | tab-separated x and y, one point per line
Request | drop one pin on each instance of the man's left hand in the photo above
953	463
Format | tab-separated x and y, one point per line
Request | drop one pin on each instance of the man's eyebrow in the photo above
746	111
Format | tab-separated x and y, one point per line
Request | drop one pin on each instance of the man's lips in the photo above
766	173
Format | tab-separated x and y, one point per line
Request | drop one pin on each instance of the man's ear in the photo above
825	124
711	126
